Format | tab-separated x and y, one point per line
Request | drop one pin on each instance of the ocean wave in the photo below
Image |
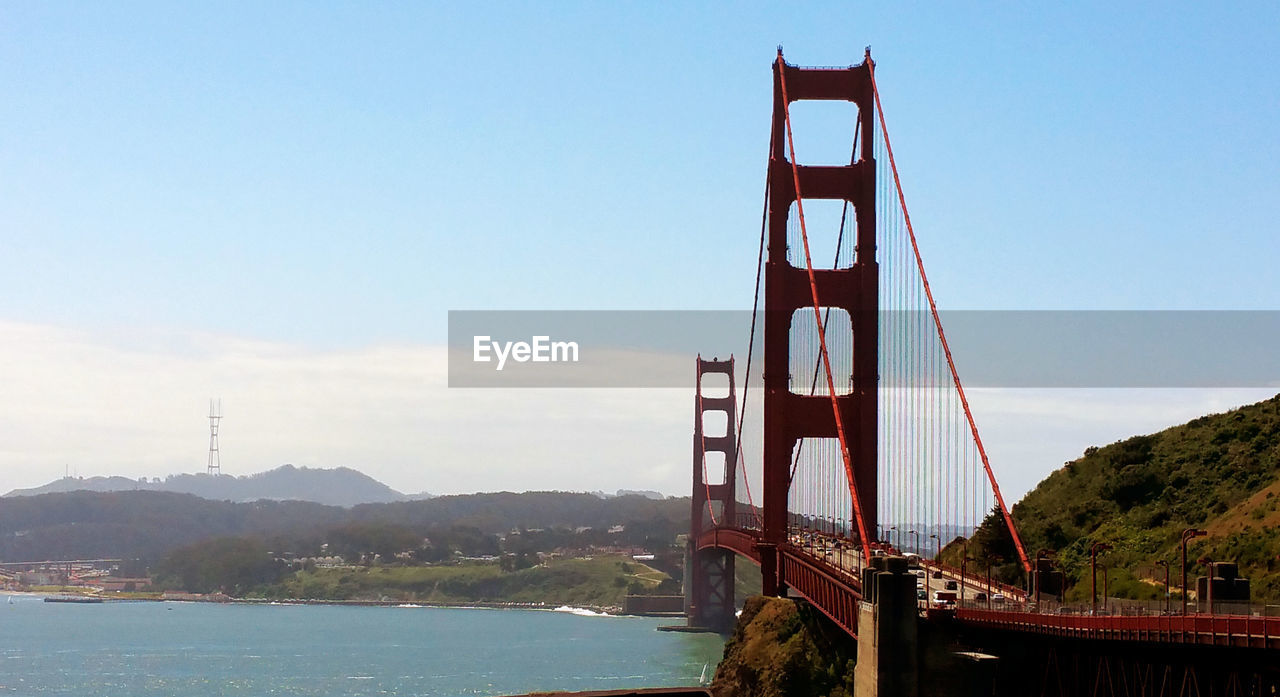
581	611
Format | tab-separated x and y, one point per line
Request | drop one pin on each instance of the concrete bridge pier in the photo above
888	632
709	592
900	655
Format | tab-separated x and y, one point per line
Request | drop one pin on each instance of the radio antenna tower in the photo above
215	414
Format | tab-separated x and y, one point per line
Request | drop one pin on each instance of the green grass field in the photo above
596	581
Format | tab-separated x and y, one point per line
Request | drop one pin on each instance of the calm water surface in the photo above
197	649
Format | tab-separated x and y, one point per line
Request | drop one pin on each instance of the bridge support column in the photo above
709	596
793	408
712	604
888	644
769	584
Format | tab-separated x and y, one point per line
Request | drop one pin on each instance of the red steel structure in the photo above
791	510
711	603
897	451
788	416
1211	630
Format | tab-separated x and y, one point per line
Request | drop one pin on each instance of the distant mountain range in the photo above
341	486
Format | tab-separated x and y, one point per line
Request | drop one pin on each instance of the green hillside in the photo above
1220	473
600	581
149	525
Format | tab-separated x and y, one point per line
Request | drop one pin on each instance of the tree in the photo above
235	566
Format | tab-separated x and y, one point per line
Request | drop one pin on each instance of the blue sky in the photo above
337	176
350	172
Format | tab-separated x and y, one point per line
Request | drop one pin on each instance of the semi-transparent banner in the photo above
1032	349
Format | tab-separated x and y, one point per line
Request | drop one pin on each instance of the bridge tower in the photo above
789	414
709	597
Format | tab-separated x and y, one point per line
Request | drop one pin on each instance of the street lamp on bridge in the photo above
1167	597
916	549
892	529
990	561
1106	592
1093	564
1037	576
1187	535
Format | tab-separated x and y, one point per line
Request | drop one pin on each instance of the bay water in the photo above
137	649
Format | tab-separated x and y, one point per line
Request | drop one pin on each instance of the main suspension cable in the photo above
751	344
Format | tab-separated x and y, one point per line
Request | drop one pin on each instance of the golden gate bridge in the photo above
867	428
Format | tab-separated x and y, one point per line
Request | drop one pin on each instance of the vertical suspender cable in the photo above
973	427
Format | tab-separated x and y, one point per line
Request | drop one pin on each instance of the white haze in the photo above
135	405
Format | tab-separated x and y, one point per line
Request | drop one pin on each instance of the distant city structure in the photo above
215	415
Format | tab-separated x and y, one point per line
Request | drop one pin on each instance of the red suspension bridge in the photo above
868	436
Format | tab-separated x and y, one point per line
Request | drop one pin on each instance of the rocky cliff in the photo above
781	648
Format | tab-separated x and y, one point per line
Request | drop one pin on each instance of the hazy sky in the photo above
277	204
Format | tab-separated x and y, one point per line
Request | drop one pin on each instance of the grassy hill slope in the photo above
1220	473
597	582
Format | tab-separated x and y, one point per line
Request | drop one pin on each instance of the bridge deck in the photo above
1208	630
836	592
832	590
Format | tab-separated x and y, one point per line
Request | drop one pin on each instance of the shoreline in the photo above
611	611
597	610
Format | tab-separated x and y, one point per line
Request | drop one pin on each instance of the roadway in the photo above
973	591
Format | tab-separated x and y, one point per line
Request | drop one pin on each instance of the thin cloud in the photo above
135	405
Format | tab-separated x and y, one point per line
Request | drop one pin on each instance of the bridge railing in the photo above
974	580
746	520
1116	607
835	551
834	591
739	521
1224	630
